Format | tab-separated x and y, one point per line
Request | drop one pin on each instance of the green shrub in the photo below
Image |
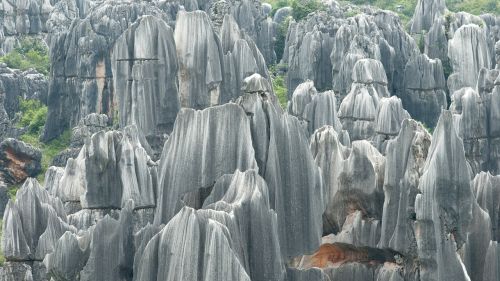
30	53
279	86
33	115
49	149
277	4
302	8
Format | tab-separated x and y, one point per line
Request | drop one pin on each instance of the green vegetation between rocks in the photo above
279	85
475	7
33	115
30	53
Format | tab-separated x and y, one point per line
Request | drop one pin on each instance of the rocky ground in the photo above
156	148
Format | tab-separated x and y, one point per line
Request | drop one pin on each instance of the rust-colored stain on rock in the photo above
336	254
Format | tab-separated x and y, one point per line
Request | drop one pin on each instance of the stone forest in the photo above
238	140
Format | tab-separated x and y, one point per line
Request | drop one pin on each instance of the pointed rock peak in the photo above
244	186
369	71
447	148
14	244
426	12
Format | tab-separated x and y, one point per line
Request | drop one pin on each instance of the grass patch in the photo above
279	86
29	53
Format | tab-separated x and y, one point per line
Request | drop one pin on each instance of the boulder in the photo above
18	161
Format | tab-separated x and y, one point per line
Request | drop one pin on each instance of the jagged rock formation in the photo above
345	190
307	52
88	126
317	109
379	36
18	161
243	190
16	84
444	207
193	134
199	52
491	262
185	240
241	58
145	76
252	16
475	117
468	54
390	115
486	189
242	195
426	12
425	89
112	168
81	73
22	18
359	108
273	150
31	226
5	123
405	159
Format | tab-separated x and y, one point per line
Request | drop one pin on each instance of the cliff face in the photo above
184	166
